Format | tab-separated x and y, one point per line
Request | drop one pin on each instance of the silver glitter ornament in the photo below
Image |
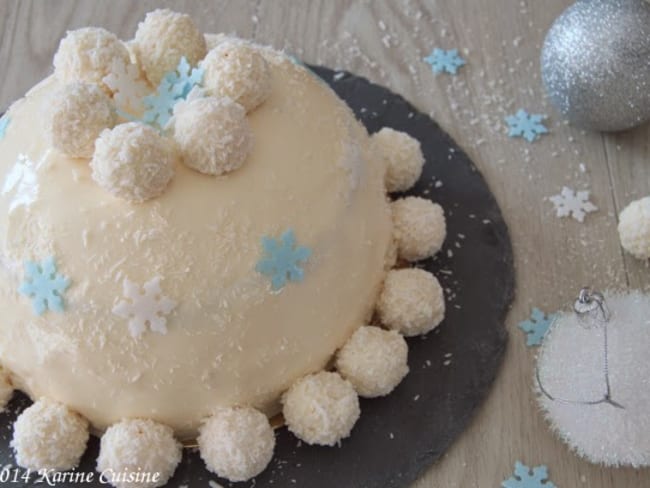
596	63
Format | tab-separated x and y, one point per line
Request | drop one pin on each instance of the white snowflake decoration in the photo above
142	309
128	87
572	203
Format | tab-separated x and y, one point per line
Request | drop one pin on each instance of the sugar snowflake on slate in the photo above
572	203
4	123
536	326
525	477
528	126
444	61
282	258
144	306
44	285
127	85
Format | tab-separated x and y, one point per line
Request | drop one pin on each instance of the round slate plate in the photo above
452	369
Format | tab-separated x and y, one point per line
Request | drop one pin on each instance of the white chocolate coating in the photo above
230	340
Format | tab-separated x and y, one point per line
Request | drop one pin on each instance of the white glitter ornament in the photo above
592	378
595	63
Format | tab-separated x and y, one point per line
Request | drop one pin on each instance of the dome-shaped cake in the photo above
135	284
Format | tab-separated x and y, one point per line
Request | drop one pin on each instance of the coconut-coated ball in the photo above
419	227
321	408
212	134
213	40
163	38
374	361
133	161
411	302
79	112
391	254
6	388
236	443
634	228
236	69
139	445
47	435
403	157
88	55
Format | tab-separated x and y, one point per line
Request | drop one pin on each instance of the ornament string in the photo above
589	305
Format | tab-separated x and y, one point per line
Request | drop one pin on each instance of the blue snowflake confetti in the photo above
44	286
184	78
4	123
174	86
536	326
281	259
528	126
444	61
525	477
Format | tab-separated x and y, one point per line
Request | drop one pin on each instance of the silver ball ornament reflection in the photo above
596	63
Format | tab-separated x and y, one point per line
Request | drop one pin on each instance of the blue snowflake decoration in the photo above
184	78
160	105
536	326
525	477
295	60
528	126
444	61
44	286
174	86
4	123
281	259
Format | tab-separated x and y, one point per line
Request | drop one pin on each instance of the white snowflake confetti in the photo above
142	309
128	87
572	203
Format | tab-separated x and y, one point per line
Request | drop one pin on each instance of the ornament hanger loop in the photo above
591	304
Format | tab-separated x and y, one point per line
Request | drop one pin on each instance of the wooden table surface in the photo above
385	41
